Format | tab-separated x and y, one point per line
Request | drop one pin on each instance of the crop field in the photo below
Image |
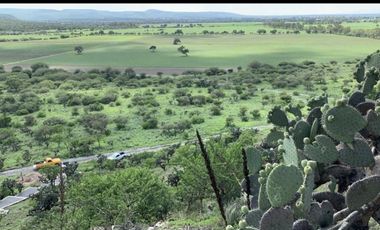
123	51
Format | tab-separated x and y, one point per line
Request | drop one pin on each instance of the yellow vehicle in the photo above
47	162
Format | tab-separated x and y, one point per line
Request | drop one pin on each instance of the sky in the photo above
246	9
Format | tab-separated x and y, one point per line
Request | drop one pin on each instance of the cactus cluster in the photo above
335	145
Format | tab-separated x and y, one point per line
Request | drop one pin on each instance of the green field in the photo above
205	51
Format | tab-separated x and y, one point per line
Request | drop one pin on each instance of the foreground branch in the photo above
212	177
246	176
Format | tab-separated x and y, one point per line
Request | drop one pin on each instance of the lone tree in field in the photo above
78	49
261	31
178	32
152	49
176	41
183	50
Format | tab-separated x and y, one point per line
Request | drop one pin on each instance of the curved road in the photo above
131	151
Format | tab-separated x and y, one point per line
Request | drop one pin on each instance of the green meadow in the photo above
205	51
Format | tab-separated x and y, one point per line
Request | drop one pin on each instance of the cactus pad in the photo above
318	101
253	218
302	224
263	200
254	185
295	110
314	113
282	184
314	129
342	122
277	218
300	131
359	155
373	123
370	81
307	187
364	107
359	73
290	154
336	199
363	191
253	159
323	150
272	138
321	214
373	60
278	117
356	98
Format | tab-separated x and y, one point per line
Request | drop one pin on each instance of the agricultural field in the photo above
225	51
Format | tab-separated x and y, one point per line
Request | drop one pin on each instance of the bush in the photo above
95	107
88	100
36	66
150	123
176	128
41	114
16	69
197	120
121	122
108	98
216	111
138	184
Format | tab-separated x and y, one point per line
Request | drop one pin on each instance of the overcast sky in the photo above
248	9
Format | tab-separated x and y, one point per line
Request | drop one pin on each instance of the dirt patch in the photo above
30	179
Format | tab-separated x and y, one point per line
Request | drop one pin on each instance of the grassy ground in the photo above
205	51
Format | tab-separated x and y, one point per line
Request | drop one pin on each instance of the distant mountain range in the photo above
148	16
82	15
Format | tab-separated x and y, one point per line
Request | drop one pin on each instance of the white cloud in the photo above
249	9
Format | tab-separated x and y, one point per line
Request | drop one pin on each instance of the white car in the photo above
117	156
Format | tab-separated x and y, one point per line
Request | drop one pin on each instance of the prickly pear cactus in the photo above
321	214
307	187
373	60
360	71
317	101
314	113
373	119
272	138
281	189
371	78
322	150
365	106
295	110
336	199
254	186
253	159
299	132
289	151
263	200
357	154
363	191
278	117
356	98
342	122
253	218
302	224
277	218
314	129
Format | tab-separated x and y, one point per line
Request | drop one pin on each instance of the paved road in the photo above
11	200
132	151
